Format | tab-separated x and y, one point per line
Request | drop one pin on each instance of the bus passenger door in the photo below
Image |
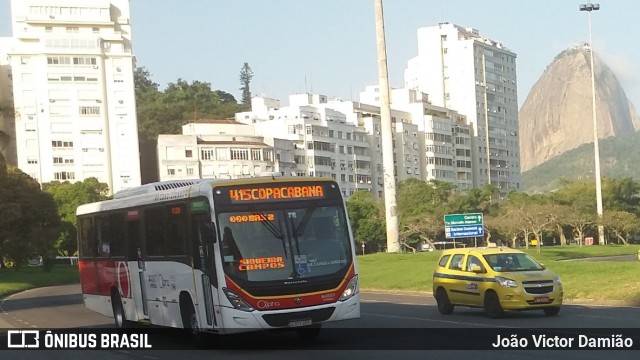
137	264
204	238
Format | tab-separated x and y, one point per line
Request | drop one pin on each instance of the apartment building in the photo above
7	118
475	76
430	142
221	149
314	136
406	152
324	143
71	69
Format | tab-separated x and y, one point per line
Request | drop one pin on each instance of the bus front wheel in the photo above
191	324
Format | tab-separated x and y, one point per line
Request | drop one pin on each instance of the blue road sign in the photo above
454	232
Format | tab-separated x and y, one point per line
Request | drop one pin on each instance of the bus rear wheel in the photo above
119	317
310	332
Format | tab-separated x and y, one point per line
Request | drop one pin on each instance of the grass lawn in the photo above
598	280
608	280
28	277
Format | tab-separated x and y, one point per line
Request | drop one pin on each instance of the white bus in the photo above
221	256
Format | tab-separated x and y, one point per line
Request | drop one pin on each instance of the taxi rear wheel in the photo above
444	305
551	311
492	305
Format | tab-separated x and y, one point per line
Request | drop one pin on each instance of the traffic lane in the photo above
62	307
378	311
421	308
50	307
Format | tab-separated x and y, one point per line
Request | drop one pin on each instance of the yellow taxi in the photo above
496	279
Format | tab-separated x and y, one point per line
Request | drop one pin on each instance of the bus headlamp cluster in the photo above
237	301
351	289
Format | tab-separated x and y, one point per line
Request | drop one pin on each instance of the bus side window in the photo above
87	247
175	229
154	231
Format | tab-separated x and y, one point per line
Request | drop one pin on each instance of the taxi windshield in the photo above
505	262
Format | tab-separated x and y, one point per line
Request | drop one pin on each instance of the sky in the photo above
329	46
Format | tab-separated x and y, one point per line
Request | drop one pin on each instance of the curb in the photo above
578	302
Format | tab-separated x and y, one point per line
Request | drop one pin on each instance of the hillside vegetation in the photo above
618	159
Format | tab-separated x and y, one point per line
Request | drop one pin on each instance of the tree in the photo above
246	75
367	219
165	112
68	196
225	97
28	219
623	224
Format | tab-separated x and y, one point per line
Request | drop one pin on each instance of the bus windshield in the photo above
273	244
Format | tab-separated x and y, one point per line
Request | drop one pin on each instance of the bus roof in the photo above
179	189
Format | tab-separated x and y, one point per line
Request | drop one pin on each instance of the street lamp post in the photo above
589	7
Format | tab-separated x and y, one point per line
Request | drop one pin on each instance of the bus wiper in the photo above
275	231
304	222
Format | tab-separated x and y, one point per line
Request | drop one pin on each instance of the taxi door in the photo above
455	279
473	283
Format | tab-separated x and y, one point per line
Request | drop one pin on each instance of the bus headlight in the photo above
351	289
237	301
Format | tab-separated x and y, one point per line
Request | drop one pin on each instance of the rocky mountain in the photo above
557	114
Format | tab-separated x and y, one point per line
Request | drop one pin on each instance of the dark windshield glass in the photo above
272	245
512	262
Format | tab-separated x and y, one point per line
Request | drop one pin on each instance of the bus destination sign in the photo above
276	193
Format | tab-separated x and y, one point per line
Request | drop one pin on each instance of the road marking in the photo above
600	316
442	321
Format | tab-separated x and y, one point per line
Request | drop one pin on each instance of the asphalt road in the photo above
411	319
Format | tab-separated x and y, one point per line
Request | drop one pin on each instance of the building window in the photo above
32	161
239	154
89	110
255	154
64	175
171	171
206	154
188	153
61	144
189	171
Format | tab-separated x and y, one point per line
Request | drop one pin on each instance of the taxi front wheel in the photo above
444	305
492	305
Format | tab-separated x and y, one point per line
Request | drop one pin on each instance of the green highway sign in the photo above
463	225
463	219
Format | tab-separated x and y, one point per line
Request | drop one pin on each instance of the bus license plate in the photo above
298	323
541	299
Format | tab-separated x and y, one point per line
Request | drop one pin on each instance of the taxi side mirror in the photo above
476	269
